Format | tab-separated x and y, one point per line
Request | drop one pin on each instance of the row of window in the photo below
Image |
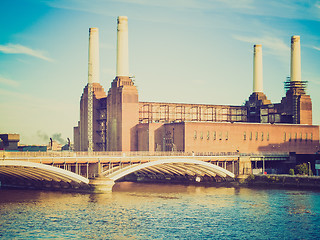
214	136
256	136
294	136
251	136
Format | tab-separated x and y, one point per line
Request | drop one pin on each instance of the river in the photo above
158	211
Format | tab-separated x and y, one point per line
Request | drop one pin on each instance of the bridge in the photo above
98	171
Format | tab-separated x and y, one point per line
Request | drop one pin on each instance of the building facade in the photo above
121	123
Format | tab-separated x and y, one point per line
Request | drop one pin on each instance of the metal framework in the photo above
90	117
174	112
296	89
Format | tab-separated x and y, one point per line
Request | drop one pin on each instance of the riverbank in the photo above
290	181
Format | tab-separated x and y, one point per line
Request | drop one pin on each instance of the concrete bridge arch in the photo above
175	166
39	175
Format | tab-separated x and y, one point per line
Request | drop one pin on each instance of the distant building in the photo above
9	142
54	146
121	123
32	148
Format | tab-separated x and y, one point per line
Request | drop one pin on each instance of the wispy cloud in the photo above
101	7
239	4
275	46
18	95
9	82
316	48
275	8
19	49
317	82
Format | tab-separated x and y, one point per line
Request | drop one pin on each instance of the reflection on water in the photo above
158	211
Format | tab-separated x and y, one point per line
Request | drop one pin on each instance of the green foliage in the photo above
302	169
291	171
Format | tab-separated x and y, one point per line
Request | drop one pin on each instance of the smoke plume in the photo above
55	137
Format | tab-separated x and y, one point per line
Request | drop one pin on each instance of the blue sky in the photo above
190	51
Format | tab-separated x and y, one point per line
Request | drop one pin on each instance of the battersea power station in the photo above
117	121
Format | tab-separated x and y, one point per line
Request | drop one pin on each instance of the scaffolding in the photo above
295	89
174	112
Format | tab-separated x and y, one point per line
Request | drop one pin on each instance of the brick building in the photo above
121	123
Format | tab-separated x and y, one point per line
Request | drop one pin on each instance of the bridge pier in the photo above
245	168
101	184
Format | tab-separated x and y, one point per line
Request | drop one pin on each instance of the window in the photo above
195	134
295	137
201	135
244	136
250	135
227	135
289	137
284	137
306	136
220	135
300	137
261	136
311	137
208	135
214	135
267	136
256	136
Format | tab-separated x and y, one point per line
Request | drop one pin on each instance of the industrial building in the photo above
117	121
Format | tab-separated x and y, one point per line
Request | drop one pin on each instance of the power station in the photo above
117	121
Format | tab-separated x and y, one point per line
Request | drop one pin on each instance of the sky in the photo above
183	51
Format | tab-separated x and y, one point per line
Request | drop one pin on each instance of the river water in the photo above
158	211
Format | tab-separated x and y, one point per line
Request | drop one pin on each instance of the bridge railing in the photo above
11	154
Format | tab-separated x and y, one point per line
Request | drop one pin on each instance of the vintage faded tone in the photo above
122	123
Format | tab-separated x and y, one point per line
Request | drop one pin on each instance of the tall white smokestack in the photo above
257	69
295	72
122	47
93	63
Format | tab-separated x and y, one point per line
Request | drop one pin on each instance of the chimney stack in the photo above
257	69
93	61
122	47
295	72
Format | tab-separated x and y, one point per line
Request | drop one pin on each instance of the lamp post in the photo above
309	168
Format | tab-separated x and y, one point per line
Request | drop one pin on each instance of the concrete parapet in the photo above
295	181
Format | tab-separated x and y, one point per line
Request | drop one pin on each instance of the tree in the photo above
302	169
291	171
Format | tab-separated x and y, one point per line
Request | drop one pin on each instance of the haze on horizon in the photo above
202	50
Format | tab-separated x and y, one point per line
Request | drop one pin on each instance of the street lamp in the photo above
309	168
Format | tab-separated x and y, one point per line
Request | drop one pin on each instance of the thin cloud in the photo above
18	95
275	8
9	82
239	4
19	49
98	5
316	48
317	82
276	46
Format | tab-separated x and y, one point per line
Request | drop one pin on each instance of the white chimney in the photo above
295	74
122	47
257	69
93	62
